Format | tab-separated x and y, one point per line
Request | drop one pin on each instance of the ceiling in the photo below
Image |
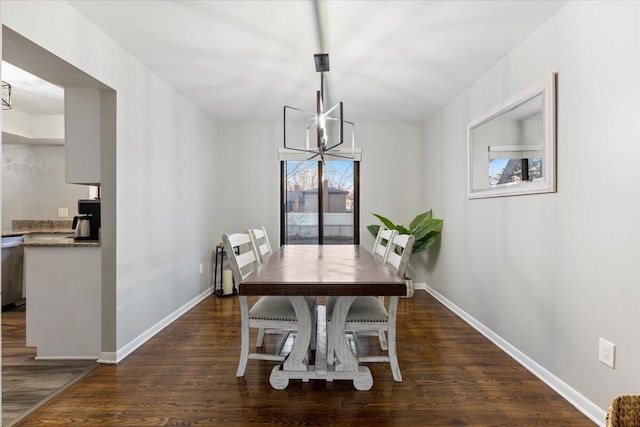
31	94
391	61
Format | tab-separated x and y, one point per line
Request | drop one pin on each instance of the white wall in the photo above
552	273
164	190
33	183
248	171
390	175
34	127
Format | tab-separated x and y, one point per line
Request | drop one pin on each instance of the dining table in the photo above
343	271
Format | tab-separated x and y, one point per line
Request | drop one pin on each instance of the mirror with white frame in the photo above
511	149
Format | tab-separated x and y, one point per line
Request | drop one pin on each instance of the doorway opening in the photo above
34	59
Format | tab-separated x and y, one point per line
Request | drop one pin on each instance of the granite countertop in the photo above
12	232
62	242
61	227
34	226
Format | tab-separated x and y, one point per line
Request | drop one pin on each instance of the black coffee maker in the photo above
91	207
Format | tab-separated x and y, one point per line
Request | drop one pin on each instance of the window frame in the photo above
356	200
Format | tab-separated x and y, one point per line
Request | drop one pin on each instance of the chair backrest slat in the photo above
245	262
380	250
260	242
402	243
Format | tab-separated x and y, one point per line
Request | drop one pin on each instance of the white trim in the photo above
65	358
580	402
519	148
112	358
515	151
301	155
108	357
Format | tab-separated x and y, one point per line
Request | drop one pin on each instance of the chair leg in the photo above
330	354
314	327
260	339
244	327
393	360
383	339
244	353
393	356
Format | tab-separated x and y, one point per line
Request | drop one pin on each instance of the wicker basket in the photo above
410	288
624	411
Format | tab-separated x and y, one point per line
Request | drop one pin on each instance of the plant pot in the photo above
410	288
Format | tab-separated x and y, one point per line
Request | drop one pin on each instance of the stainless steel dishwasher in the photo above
12	270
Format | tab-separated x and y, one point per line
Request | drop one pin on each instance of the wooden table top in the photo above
320	270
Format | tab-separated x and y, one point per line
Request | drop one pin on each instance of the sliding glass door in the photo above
319	203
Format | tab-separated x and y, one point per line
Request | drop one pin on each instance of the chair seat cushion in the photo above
363	309
276	308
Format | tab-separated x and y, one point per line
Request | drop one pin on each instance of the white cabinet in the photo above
64	301
82	135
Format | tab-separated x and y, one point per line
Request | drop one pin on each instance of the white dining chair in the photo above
380	252
262	249
368	313
269	312
382	244
260	242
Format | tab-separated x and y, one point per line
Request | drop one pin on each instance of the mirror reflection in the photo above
510	150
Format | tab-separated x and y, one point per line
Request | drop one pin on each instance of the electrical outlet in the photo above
607	353
63	212
201	268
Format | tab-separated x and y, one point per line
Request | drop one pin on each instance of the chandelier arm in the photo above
300	109
330	110
6	100
284	126
341	140
319	127
341	124
303	150
332	147
284	121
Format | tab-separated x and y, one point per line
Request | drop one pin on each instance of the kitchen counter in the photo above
13	233
63	280
63	292
47	233
64	241
38	226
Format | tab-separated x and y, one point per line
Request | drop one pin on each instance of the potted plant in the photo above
425	229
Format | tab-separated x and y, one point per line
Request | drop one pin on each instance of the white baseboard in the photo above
65	358
581	403
112	358
107	357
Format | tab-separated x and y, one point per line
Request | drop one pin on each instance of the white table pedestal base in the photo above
362	380
295	368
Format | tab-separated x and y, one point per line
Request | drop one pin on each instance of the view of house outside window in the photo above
302	201
504	171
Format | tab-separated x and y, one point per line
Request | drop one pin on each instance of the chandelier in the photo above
6	96
327	124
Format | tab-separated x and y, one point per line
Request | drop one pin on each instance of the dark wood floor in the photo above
185	375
